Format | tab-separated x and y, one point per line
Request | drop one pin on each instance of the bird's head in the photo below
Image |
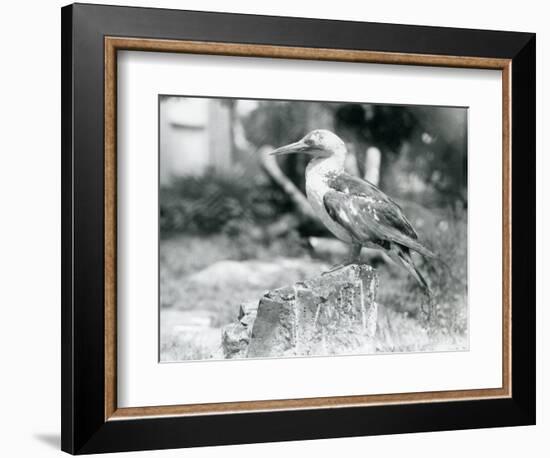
318	143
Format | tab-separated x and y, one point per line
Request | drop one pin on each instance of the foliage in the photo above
276	123
231	215
386	126
427	142
214	202
447	314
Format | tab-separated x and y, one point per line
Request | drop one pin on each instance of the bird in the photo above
356	211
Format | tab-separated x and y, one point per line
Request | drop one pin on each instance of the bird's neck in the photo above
325	166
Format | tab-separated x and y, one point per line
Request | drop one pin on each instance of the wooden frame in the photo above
95	423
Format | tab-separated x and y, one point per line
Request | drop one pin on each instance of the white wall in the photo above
30	230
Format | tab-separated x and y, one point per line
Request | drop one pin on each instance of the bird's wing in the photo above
369	214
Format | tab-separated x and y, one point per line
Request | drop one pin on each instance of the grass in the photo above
445	322
174	349
211	276
403	324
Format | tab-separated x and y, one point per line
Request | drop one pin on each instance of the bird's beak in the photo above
296	147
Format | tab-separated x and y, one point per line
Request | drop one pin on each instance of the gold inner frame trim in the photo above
114	44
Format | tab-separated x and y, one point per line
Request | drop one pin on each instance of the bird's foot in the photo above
338	267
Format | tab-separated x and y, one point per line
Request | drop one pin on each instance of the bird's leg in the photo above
353	258
354	253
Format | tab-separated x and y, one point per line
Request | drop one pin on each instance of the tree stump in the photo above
332	314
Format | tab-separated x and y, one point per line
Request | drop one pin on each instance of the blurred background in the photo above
234	222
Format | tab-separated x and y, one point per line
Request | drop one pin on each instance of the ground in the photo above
205	279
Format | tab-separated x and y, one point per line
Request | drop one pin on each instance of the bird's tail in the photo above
422	250
402	255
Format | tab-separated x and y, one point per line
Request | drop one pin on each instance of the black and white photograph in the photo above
292	228
275	229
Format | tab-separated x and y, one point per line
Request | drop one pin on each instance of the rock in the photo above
235	340
329	314
334	324
252	274
224	284
236	336
247	313
274	329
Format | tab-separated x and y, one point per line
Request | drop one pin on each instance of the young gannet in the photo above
354	210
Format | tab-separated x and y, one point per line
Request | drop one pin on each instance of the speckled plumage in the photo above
370	216
354	210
